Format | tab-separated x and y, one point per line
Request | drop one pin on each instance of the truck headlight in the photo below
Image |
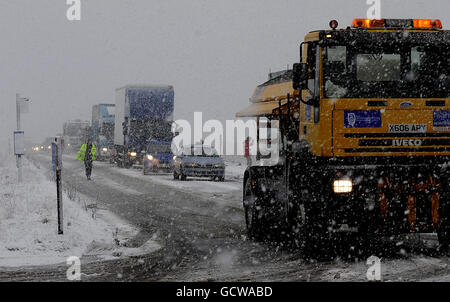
150	157
105	149
342	186
133	154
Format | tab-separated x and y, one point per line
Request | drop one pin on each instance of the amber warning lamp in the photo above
397	23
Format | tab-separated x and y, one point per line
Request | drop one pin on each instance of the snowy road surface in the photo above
201	230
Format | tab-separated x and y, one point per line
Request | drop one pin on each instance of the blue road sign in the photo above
54	150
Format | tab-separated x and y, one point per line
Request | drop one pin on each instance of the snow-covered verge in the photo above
235	167
28	223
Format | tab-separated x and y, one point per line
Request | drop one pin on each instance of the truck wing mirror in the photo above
300	76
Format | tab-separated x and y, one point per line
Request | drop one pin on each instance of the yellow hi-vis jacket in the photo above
82	152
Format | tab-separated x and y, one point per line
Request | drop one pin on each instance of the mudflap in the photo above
270	202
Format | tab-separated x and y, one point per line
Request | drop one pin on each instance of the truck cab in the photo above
365	134
103	118
144	114
158	157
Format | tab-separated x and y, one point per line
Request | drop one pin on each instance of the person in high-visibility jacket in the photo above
87	154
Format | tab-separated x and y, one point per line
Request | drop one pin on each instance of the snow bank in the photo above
28	223
235	167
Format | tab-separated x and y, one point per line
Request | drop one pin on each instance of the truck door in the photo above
310	115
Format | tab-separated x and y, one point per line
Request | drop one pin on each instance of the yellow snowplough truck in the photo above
365	136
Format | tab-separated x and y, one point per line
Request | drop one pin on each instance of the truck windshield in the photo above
107	130
391	71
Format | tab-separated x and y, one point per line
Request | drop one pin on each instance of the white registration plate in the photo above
407	128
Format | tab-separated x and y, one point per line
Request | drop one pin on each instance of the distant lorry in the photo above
75	133
103	129
144	117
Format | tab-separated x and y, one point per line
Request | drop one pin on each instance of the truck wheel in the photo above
182	176
317	243
369	236
175	175
252	219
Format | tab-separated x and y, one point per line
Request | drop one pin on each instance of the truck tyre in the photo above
369	236
317	243
182	176
221	179
252	214
175	175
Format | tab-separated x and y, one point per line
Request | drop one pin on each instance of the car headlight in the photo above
150	157
105	149
133	154
49	147
342	186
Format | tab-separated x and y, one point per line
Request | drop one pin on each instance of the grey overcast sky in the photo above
214	52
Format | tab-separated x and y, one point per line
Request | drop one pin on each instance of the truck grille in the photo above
393	150
400	142
378	135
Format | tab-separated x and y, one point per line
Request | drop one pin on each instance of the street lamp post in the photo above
19	102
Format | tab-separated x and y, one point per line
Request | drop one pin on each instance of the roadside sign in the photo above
54	156
19	143
57	166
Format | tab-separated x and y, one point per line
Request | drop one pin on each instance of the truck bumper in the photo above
156	166
390	199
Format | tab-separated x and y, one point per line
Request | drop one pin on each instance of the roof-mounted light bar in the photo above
427	23
397	23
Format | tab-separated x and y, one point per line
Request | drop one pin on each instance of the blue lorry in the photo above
143	127
102	127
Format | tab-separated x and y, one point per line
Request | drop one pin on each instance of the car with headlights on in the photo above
199	161
159	157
